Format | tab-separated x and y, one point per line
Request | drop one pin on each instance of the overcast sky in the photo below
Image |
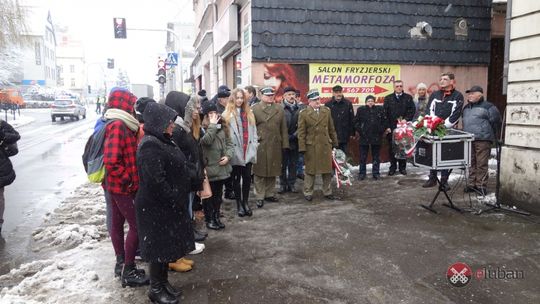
92	22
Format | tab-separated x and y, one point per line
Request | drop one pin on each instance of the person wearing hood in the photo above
186	134
122	182
140	105
218	151
161	202
177	101
8	136
289	161
241	121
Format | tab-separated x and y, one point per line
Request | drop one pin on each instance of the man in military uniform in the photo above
316	137
273	139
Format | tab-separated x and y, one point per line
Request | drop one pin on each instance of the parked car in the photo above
67	107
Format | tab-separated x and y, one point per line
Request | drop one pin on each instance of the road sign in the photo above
172	59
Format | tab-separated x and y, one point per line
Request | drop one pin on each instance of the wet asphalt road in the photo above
48	169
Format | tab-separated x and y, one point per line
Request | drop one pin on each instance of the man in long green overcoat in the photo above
316	137
273	139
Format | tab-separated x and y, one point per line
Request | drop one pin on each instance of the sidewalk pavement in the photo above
19	121
375	245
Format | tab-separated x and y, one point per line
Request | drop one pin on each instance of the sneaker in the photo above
198	248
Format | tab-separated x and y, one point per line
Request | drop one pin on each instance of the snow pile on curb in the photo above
20	121
80	219
76	272
48	281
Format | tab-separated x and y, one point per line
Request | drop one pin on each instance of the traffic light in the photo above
89	89
162	73
110	63
120	31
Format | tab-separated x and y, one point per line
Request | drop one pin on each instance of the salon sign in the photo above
357	80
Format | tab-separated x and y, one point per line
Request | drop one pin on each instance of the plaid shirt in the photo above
120	148
119	159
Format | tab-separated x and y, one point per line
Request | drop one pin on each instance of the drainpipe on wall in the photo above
507	46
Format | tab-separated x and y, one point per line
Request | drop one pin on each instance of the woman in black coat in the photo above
370	123
165	232
8	136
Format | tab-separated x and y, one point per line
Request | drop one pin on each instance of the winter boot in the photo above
158	292
240	208
118	266
132	277
431	182
209	215
218	220
245	206
207	211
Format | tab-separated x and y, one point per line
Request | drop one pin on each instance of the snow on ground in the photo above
20	121
75	237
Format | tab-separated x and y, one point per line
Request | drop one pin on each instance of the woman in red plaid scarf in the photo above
241	122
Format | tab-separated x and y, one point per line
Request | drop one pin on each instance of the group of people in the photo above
161	158
479	117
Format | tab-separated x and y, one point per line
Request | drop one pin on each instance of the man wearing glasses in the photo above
398	105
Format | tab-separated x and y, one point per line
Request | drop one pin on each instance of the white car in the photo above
71	108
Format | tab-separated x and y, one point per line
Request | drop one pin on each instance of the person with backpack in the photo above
8	139
121	181
161	202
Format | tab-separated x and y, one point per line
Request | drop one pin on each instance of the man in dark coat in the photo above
221	98
447	103
343	117
316	137
8	136
165	233
398	105
370	124
290	156
273	139
252	95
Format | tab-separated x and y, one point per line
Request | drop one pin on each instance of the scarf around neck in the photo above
131	122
